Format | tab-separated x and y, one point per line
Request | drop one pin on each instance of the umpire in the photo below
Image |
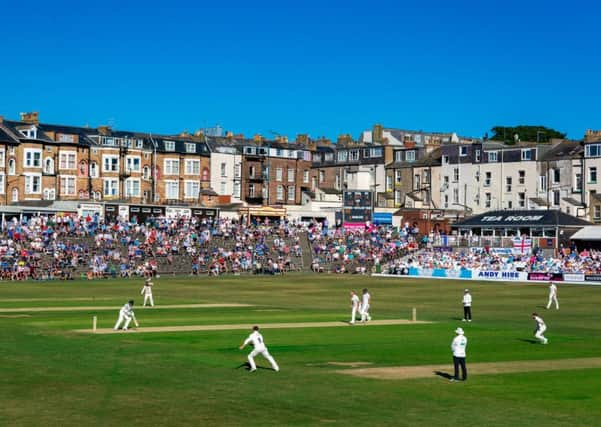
458	346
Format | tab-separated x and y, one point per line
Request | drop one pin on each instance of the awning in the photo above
523	218
591	232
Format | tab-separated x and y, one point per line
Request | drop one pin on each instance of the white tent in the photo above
590	232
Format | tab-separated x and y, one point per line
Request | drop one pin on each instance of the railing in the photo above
489	241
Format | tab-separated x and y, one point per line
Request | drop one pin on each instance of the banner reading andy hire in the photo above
499	275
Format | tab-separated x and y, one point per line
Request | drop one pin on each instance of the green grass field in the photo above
53	376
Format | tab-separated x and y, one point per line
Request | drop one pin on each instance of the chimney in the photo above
257	138
229	134
1	119
302	139
378	133
344	139
104	130
31	118
199	132
184	133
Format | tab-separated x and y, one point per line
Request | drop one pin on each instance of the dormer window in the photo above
31	133
169	145
190	148
139	143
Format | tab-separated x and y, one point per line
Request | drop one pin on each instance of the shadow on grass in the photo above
445	375
531	341
246	366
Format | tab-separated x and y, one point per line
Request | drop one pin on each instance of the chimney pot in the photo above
32	117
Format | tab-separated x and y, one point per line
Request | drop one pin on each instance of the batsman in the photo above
126	314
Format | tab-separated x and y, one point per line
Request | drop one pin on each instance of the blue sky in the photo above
317	67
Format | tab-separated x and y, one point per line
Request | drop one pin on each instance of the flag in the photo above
522	245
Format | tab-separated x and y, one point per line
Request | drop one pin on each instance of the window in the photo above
398	156
237	170
133	164
306	177
11	166
236	189
592	150
509	204
487	179
592	175
222	187
487	200
67	160
542	183
222	169
15	195
172	190
556	197
445	181
337	184
193	167
191	189
388	182
82	169
279	192
169	145
67	185
446	201
397	176
372	152
30	133
278	174
2	179
597	212
110	163
456	175
171	167
522	200
416	182
94	170
477	156
527	154
205	175
342	156
445	160
190	148
521	177
33	158
322	176
291	193
508	181
139	143
111	187
462	151
49	165
290	175
251	190
132	187
2	158
146	172
577	183
251	171
455	195
492	156
49	194
33	184
410	156
555	175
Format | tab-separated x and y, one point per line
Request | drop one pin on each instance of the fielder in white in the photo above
126	314
355	306
256	339
365	306
553	296
540	328
147	292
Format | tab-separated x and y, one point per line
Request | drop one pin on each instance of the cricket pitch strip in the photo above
192	328
431	371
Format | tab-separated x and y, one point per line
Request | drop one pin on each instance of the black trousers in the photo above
467	313
457	362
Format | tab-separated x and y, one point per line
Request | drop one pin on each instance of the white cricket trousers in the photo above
122	318
539	334
148	297
553	299
266	355
354	313
365	313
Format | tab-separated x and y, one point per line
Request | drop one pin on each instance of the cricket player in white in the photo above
126	314
365	306
256	339
540	328
355	306
147	292
553	296
467	306
458	347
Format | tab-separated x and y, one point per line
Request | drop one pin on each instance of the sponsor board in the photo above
557	277
499	275
575	277
592	278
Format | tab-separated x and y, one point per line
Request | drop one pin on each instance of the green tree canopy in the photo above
525	133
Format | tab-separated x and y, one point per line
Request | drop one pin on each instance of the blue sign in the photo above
382	218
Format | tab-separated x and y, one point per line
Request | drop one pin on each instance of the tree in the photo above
512	134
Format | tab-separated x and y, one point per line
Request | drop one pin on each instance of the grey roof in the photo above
564	150
539	201
434	158
573	201
330	191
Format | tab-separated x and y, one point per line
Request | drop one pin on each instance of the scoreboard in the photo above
358	206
